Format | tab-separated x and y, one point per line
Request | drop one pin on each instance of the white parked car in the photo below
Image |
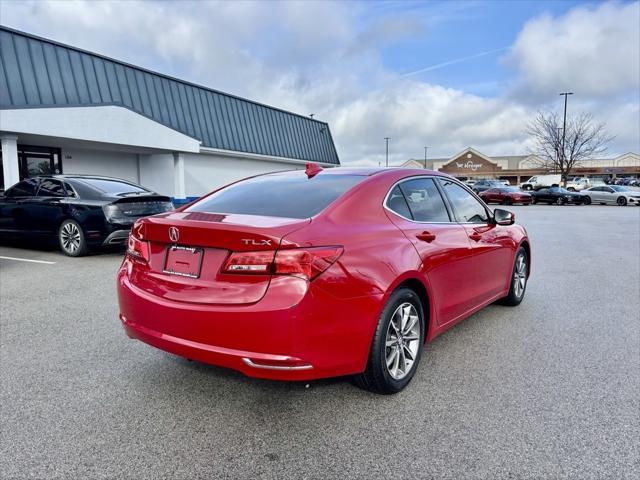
611	194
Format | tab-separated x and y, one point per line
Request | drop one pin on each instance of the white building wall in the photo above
100	162
205	172
156	173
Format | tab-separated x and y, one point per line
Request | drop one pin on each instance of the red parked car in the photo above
506	196
303	275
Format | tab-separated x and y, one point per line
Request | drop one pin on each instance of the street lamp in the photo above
564	122
387	156
425	157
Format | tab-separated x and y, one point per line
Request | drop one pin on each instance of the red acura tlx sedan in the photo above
301	275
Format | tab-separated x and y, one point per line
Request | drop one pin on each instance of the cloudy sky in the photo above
446	74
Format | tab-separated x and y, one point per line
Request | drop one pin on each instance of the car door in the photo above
48	207
15	211
608	195
418	209
492	245
542	195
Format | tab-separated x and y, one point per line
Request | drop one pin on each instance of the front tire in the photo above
560	201
519	278
397	344
71	239
534	200
621	201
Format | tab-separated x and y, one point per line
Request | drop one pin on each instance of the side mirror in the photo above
504	217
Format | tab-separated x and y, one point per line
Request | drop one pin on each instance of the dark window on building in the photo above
289	195
424	200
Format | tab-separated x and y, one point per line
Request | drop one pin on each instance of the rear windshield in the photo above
289	196
113	187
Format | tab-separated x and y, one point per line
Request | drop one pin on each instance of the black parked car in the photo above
556	195
80	211
482	185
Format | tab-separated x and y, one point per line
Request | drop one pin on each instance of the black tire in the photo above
560	201
586	200
71	239
621	201
534	200
508	201
377	377
571	189
515	295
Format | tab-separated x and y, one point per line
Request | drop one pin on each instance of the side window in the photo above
465	206
424	200
26	188
51	188
397	203
606	189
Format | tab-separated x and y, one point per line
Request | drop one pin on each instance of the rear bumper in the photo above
117	237
292	333
255	364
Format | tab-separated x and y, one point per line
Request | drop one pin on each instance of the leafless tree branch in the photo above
584	139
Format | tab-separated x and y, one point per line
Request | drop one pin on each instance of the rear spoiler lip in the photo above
143	198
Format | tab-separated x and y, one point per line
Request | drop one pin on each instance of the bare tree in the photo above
584	139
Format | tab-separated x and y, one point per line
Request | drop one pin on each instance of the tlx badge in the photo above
256	243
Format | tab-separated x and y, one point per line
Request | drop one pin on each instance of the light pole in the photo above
425	157
564	128
387	155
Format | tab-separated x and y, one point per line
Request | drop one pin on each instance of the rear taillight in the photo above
307	263
138	249
250	262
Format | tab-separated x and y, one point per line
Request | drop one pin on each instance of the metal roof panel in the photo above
37	72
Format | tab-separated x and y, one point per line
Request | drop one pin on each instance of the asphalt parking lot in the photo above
549	389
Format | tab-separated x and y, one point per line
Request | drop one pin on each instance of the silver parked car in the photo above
612	194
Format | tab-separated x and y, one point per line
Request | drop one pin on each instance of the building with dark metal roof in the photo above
101	115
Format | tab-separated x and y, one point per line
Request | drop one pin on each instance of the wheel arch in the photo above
527	249
422	290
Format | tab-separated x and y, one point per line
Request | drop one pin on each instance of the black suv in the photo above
80	211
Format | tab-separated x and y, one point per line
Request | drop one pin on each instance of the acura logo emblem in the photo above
174	234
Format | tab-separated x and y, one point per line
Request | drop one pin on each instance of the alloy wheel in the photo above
520	276
402	341
70	237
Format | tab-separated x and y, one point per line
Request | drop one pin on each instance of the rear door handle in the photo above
475	236
426	237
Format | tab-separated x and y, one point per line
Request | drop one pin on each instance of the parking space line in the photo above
27	260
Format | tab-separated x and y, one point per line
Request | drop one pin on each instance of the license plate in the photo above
183	261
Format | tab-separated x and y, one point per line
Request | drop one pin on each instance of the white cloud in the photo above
591	51
324	58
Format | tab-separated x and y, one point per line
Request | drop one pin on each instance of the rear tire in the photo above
621	201
71	239
519	278
586	200
385	373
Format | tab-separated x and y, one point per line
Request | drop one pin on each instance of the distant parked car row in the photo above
602	194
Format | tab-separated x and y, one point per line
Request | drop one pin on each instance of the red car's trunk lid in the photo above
189	249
